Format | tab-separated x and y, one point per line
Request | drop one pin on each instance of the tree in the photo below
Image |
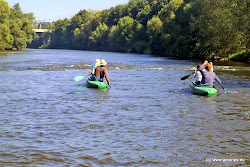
139	41
115	14
136	6
99	37
6	39
178	28
154	30
58	36
218	26
144	15
157	5
16	27
167	13
19	35
4	12
121	35
82	34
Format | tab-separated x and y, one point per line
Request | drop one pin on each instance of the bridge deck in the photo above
42	30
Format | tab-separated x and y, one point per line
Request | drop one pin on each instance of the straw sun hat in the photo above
97	62
103	62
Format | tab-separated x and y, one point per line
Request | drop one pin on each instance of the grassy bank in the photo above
242	56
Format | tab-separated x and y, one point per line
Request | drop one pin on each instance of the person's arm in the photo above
217	79
203	65
106	76
93	71
195	72
212	67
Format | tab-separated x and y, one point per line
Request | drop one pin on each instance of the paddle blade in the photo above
78	78
224	88
183	78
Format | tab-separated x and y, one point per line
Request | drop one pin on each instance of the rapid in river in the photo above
149	117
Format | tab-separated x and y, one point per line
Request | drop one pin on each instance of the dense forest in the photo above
174	28
15	27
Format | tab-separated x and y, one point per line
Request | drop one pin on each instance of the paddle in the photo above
223	87
185	77
109	85
78	78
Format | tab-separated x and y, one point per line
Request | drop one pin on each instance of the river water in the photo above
148	118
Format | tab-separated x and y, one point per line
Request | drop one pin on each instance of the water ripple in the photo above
148	118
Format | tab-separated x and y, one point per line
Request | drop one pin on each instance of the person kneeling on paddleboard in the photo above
101	72
197	75
97	63
208	76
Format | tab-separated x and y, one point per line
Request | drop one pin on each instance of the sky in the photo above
59	9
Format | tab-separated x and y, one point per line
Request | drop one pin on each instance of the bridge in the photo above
39	31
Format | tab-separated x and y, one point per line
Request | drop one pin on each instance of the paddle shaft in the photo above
109	84
222	87
185	77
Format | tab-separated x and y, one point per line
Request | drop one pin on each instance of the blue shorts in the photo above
94	78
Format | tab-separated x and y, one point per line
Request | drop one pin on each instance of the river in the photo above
148	118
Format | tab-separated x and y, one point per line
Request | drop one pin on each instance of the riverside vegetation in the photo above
15	27
186	29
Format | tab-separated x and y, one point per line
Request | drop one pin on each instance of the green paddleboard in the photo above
203	90
96	84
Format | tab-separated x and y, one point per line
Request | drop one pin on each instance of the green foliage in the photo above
176	28
4	12
218	26
36	42
59	36
121	35
167	13
155	30
15	27
98	37
144	15
136	6
6	38
82	34
115	13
